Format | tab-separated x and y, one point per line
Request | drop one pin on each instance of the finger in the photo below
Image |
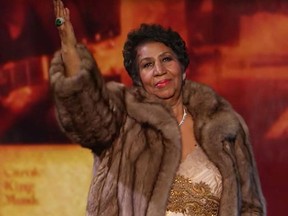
57	8
61	9
67	14
54	7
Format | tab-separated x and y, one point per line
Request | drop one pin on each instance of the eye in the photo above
147	65
167	59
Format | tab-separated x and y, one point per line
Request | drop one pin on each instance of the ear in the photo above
184	76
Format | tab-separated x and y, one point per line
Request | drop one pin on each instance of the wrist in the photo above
68	48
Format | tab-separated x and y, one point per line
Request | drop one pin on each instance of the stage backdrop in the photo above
237	47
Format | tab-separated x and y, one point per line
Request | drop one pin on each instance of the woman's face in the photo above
160	70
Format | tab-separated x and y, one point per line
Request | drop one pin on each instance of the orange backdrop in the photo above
237	47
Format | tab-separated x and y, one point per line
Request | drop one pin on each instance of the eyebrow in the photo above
162	54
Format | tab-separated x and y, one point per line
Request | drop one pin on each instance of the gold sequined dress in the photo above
197	187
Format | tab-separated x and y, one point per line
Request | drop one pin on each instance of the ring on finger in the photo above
59	21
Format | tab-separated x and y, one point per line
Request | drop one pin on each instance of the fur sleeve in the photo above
88	111
253	202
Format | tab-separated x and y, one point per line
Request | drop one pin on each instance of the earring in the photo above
184	76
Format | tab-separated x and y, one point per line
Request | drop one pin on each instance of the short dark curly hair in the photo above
152	32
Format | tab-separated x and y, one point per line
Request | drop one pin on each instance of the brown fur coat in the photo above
136	142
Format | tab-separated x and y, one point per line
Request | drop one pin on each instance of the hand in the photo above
66	31
69	53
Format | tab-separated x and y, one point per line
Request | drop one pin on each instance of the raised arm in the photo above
89	112
71	58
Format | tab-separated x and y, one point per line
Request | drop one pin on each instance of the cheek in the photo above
177	72
146	78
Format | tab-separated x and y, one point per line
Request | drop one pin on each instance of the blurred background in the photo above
238	47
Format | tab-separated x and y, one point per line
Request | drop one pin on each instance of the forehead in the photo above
152	50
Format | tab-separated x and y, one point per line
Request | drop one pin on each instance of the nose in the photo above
159	69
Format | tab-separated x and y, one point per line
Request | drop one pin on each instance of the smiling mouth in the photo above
162	83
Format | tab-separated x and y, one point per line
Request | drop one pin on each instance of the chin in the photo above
165	95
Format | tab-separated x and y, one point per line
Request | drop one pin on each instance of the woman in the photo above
164	146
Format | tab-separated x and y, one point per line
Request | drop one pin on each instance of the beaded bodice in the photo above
197	187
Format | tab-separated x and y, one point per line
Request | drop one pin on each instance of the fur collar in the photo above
208	109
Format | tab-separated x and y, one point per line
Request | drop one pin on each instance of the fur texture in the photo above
136	142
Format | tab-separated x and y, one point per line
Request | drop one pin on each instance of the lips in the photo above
162	83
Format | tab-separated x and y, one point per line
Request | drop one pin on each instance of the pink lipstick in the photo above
162	83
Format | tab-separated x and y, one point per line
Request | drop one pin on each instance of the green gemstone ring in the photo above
59	21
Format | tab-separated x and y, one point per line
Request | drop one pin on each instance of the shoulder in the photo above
212	111
203	100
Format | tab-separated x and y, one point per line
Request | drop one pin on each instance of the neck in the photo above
178	110
176	104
